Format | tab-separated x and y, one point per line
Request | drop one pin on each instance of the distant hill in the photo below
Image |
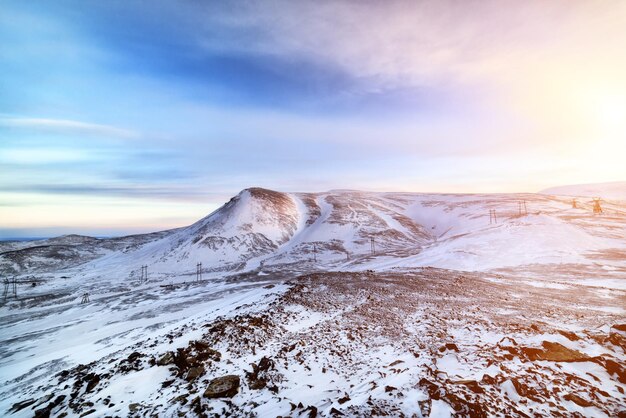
614	190
265	230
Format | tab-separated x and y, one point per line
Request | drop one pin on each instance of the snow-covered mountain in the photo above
260	229
452	312
614	190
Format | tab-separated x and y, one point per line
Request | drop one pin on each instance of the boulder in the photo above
554	352
222	387
194	373
577	400
167	358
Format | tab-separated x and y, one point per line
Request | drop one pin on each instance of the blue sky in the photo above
119	117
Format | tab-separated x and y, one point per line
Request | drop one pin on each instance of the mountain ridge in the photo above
265	229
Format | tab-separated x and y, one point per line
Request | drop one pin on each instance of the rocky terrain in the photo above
295	314
429	342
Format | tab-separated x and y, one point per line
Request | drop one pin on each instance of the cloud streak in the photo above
67	126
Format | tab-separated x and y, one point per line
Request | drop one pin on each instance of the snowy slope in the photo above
292	278
613	190
263	230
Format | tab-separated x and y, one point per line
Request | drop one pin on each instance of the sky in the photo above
122	117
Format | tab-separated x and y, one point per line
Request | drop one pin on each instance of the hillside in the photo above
342	303
262	229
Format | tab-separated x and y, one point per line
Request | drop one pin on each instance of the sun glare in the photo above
610	112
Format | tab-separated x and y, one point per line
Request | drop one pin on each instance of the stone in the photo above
167	358
194	373
614	368
21	405
45	412
471	385
223	387
577	400
92	380
554	352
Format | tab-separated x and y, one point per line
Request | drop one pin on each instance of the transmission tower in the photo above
198	272
144	274
492	216
597	209
372	246
10	286
521	206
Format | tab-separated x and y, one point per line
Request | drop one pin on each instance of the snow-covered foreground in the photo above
425	342
342	303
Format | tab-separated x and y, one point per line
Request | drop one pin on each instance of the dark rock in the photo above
180	361
222	387
312	411
471	385
197	407
21	405
343	400
167	358
554	352
45	412
569	335
167	383
182	399
92	380
134	407
577	400
449	346
335	412
425	407
618	340
432	389
209	353
194	373
258	379
489	380
614	368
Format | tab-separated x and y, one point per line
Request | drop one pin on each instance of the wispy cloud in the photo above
67	126
180	194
